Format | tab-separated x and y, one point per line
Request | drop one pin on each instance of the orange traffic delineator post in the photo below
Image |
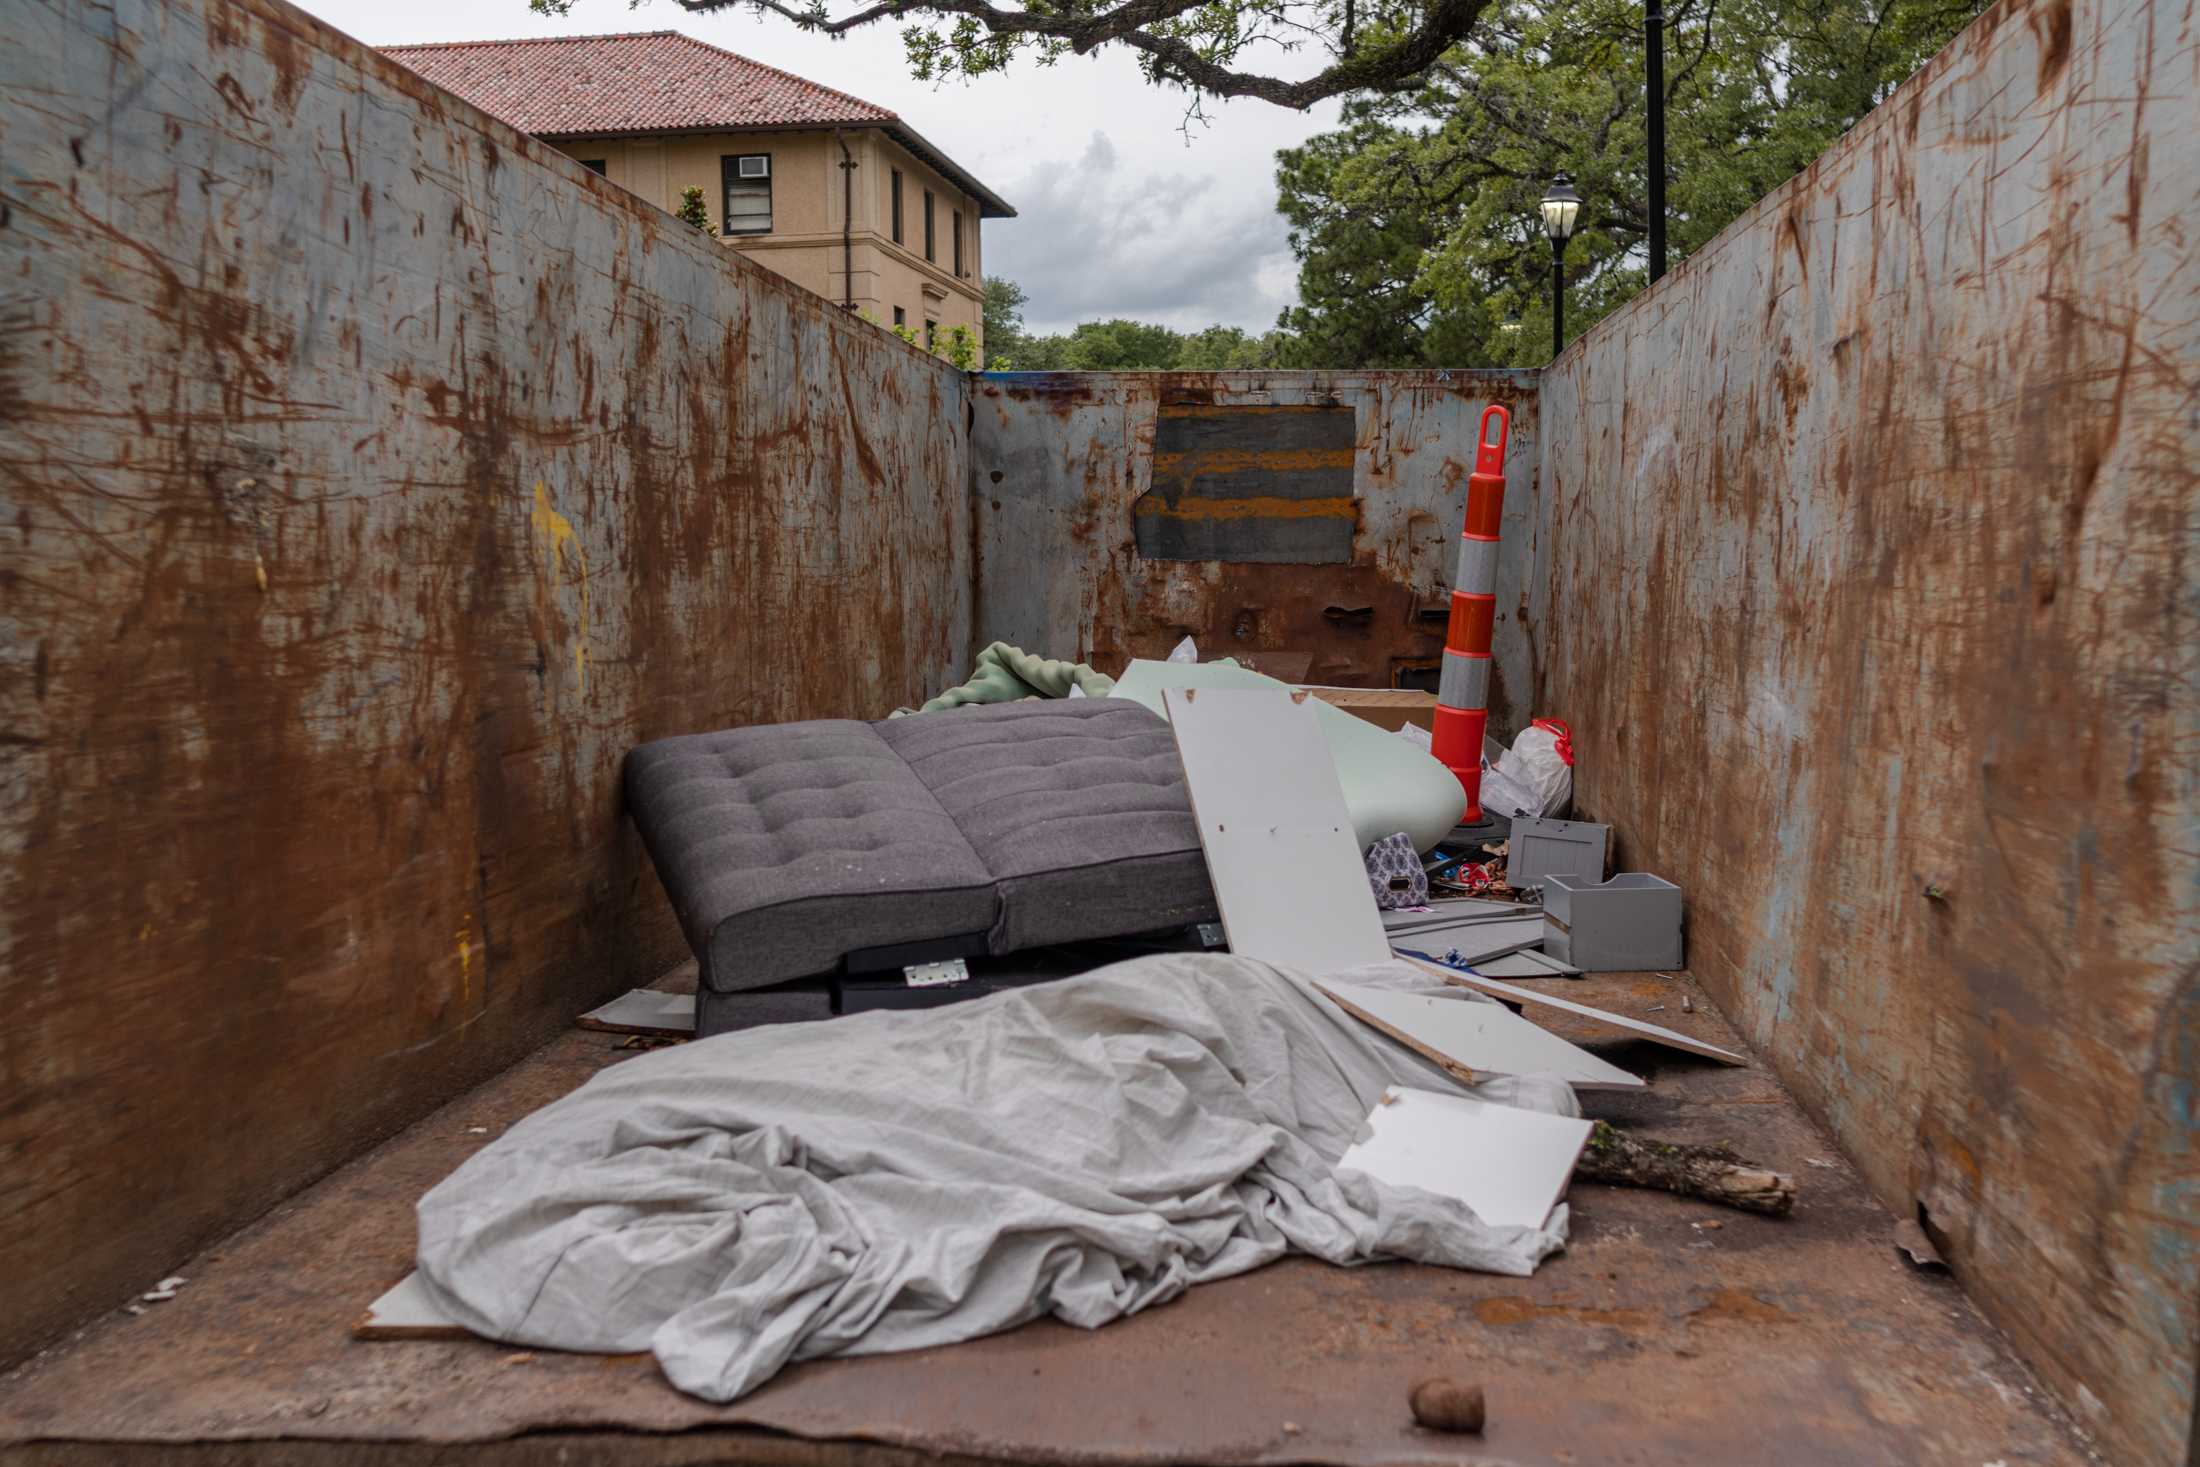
1463	692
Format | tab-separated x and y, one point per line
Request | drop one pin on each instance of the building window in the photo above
896	211
901	317
595	166
955	232
931	335
748	183
928	226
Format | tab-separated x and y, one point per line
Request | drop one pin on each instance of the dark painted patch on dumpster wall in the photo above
1870	591
1069	494
1256	484
365	495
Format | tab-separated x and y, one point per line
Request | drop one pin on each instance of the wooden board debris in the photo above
405	1312
1288	873
1526	963
1473	941
1634	1028
643	1011
1509	1165
1473	1040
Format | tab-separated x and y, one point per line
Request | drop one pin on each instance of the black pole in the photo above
1653	39
1558	297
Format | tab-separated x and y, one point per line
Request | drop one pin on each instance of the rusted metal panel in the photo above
1869	579
1080	503
371	478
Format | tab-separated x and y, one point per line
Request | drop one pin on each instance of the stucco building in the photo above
831	191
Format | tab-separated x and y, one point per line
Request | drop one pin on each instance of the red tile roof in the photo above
651	81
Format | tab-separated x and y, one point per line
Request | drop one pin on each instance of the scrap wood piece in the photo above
644	1011
1634	1028
1479	1038
1434	1056
1287	869
1508	1164
405	1312
1706	1173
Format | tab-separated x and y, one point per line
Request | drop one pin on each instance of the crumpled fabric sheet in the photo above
1005	674
1082	1149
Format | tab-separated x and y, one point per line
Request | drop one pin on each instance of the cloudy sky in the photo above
1122	211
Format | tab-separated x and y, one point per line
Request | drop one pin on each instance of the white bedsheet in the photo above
895	1180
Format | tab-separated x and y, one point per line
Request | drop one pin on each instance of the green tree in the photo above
1415	222
1004	319
1121	345
694	211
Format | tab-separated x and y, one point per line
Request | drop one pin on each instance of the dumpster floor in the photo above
1668	1332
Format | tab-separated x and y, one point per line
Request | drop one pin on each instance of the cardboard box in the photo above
1390	708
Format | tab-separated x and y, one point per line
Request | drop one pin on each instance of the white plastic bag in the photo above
1184	651
1535	776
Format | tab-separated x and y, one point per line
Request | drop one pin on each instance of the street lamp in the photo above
1653	38
1561	207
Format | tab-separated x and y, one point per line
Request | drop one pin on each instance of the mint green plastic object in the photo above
1389	785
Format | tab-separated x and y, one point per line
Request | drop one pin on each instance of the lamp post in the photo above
1653	36
1561	207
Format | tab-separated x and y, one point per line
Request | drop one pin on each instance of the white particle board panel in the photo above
406	1312
1634	1028
1476	939
1287	870
643	1011
1386	784
1477	1038
1526	963
1509	1165
1445	913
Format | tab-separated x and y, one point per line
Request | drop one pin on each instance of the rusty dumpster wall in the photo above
1315	555
371	479
1868	577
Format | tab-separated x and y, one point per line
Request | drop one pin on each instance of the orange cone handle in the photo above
1463	693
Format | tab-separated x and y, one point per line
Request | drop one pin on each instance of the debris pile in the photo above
1440	1123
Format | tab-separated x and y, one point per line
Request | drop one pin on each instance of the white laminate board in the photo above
643	1011
1388	785
1484	1038
1463	909
406	1312
1481	937
1633	1027
1509	1165
1526	963
1288	873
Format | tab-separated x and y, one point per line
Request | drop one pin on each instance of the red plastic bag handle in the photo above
1565	735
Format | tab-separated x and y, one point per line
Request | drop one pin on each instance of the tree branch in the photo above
1707	1173
1143	25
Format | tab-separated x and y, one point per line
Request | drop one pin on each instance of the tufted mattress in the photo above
799	849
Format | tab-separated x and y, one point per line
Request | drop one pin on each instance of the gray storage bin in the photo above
1632	921
1539	848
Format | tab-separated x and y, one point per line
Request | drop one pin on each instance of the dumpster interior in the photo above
378	480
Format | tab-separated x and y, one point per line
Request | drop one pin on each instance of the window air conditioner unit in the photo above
756	167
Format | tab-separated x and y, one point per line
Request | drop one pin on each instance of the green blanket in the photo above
1006	674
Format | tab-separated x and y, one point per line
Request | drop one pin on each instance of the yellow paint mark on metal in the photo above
465	960
1249	460
1241	410
1259	508
557	532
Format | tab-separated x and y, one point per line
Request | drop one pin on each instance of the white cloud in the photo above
1099	239
1123	210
